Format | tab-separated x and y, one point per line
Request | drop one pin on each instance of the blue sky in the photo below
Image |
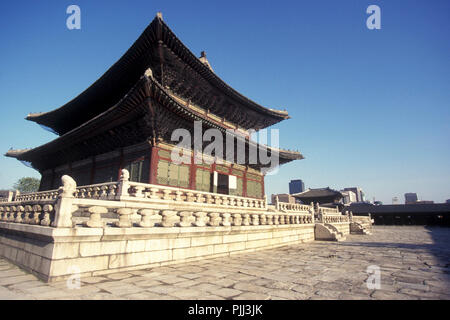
369	108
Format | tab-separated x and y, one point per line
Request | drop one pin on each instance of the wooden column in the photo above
153	164
193	172
244	183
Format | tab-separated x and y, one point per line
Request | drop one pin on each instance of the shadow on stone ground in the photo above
413	263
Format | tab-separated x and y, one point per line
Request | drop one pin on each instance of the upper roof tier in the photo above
177	69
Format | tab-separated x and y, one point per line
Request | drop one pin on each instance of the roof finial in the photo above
204	60
159	15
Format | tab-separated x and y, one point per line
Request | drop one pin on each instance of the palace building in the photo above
125	120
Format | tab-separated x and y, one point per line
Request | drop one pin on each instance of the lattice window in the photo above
135	169
172	174
202	180
254	189
163	172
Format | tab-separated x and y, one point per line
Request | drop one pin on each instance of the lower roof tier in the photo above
148	112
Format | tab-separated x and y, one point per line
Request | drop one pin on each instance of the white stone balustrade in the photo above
146	217
124	218
95	218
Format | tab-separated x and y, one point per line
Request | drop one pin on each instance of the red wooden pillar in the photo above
193	172
244	183
153	164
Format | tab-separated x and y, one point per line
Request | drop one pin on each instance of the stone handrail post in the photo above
124	184
46	220
64	205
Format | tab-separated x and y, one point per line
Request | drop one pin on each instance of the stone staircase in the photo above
358	228
328	232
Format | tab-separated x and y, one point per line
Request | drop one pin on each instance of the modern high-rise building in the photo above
349	196
359	193
410	198
296	186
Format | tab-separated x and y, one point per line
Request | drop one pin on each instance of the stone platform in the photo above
413	262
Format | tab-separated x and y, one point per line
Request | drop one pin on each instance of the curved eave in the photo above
108	82
152	89
183	52
16	153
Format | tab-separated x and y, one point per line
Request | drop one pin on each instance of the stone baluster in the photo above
95	217
214	219
154	193
225	201
169	218
209	198
12	214
139	191
167	193
200	219
46	221
189	197
237	219
245	219
226	221
2	213
111	190
146	217
217	200
6	214
37	209
255	219
124	218
280	219
178	194
200	198
103	192
244	203
263	219
185	218
26	216
276	219
20	210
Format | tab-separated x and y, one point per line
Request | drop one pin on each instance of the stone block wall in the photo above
55	253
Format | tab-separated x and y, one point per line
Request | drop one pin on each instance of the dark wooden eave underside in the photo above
146	113
176	67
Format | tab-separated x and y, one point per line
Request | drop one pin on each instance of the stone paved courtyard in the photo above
414	263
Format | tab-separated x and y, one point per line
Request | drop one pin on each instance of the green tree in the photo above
27	184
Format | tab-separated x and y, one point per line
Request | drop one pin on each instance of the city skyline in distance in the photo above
357	97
